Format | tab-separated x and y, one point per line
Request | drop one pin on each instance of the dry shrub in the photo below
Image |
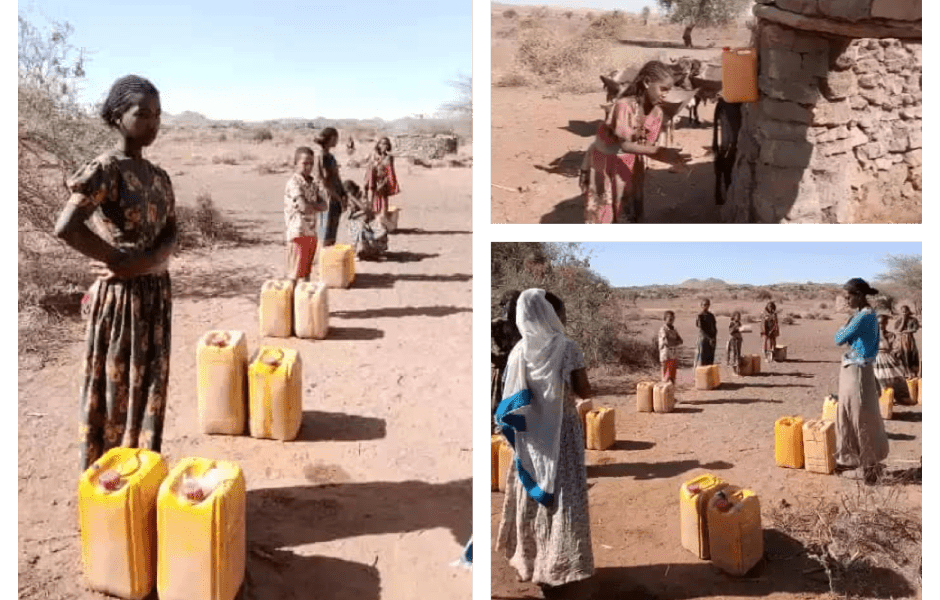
226	158
204	225
510	14
607	26
514	79
571	64
823	305
273	167
859	531
788	320
261	135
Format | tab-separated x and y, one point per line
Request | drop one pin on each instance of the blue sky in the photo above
758	263
631	6
277	59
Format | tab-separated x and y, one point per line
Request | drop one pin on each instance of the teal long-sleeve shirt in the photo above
861	333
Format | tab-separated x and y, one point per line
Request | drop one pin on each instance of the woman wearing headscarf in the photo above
545	530
906	326
861	441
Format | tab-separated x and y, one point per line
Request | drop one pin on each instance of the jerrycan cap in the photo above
693	488
272	357
110	480
219	339
191	490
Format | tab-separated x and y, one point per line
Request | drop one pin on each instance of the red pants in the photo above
300	253
669	369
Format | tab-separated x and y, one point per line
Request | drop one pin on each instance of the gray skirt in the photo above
861	440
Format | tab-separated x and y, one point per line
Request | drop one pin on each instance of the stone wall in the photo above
429	147
838	123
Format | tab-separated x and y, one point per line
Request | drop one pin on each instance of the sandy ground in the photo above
634	487
539	135
377	487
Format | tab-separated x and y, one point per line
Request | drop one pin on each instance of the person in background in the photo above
669	342
861	441
735	341
770	330
707	335
381	180
888	370
906	326
326	172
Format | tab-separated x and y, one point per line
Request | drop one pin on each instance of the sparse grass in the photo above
567	63
231	158
513	79
204	225
273	167
261	135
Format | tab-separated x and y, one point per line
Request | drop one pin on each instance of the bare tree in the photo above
705	13
905	271
645	13
462	104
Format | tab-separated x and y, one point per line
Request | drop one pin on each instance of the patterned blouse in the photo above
301	204
128	200
669	343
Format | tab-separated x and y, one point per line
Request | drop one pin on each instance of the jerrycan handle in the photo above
219	339
137	467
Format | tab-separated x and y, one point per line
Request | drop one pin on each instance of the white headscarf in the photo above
536	365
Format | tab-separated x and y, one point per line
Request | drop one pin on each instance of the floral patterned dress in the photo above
617	193
127	351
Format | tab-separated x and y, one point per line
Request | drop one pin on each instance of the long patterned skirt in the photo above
889	374
551	546
733	357
910	356
127	366
617	192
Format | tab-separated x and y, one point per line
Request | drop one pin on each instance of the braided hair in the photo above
651	72
325	135
122	96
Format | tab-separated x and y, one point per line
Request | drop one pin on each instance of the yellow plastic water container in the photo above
739	75
201	531
745	366
920	386
506	459
913	386
275	310
694	495
886	403
495	442
644	396
664	397
311	310
275	384
819	446
337	266
780	353
788	442
584	407
117	501
221	387
755	364
830	404
735	534
707	377
601	429
391	221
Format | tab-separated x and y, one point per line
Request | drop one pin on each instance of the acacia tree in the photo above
905	271
705	13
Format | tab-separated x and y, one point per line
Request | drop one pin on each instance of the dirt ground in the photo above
634	487
539	135
378	485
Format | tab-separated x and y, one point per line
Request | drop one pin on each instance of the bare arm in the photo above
580	384
72	229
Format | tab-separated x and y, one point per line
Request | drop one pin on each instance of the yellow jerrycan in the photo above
495	442
780	354
221	386
788	442
664	397
201	531
275	386
735	534
913	387
601	429
830	404
311	310
275	310
745	366
391	221
644	396
507	458
117	501
886	403
819	446
694	495
337	266
707	377
584	406
755	364
739	75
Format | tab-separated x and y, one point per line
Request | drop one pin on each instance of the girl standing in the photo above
734	343
906	326
770	330
381	181
623	140
861	441
888	369
669	343
707	336
326	172
127	349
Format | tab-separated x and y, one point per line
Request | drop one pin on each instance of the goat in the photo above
727	125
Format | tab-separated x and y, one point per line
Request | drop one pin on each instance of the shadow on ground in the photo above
419	231
648	470
319	426
400	311
387	280
283	574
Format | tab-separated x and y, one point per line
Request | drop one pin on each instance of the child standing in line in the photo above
707	335
735	342
669	343
770	330
302	201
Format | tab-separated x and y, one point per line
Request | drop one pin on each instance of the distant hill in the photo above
703	283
